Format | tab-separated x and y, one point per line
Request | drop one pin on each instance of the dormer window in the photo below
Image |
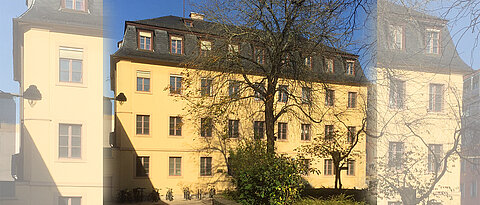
396	37
329	65
176	45
308	62
350	67
233	48
78	5
432	41
205	47
188	23
259	55
145	40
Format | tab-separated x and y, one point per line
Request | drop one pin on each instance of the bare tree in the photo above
340	145
265	48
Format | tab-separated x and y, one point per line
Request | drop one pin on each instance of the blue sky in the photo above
119	11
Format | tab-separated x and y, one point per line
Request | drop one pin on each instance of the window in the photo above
175	166
328	167
308	62
206	127
305	166
143	124
234	89
258	129
435	97
205	166
282	131
305	132
232	48
188	23
306	95
257	95
473	190
475	82
143	81
352	99
70	141
78	5
176	45
350	68
205	47
432	41
175	126
329	97
229	166
175	84
63	200
145	40
206	87
396	37
282	93
397	93
462	190
395	154
351	135
351	167
259	55
329	65
71	65
434	158
329	132
142	166
233	126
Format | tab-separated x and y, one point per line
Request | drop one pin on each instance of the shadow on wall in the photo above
144	168
34	184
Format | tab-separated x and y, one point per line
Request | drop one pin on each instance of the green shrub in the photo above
262	178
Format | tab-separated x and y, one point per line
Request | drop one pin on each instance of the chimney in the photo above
29	3
196	16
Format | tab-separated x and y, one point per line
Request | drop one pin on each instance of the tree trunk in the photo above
269	117
337	170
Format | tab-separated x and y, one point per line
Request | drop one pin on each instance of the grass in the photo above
337	200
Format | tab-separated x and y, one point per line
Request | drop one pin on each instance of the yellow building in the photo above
415	118
58	47
160	143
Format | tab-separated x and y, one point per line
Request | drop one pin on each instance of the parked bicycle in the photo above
169	195
154	196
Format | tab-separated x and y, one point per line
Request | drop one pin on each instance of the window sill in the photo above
144	92
70	160
282	140
176	136
141	177
175	177
143	136
145	50
87	11
71	84
206	176
305	141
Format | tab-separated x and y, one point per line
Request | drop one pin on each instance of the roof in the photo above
413	56
50	12
163	25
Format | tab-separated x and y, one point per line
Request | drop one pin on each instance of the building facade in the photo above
470	140
160	144
414	109
8	136
58	47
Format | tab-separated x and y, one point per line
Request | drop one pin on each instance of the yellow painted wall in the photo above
47	176
160	105
433	127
